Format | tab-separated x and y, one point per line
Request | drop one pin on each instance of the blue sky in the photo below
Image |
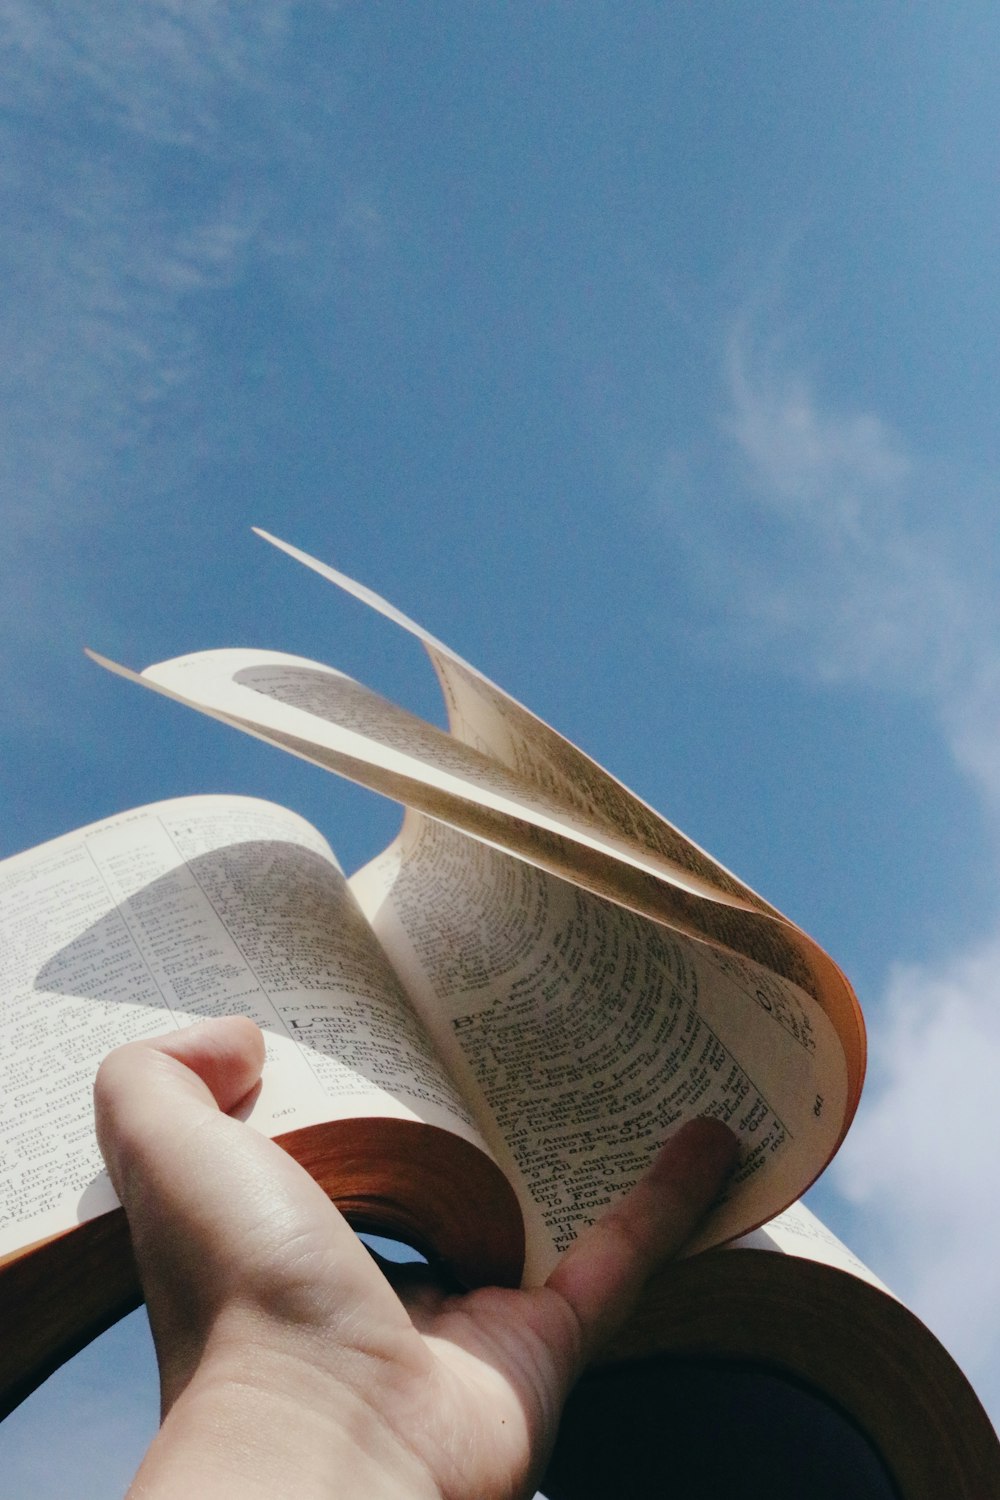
647	355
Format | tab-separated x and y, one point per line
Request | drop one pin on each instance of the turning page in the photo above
584	1034
485	717
326	717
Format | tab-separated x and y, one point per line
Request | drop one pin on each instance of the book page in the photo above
798	1231
482	714
551	805
325	717
198	907
485	717
584	1034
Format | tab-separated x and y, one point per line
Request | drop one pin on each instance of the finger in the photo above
211	1065
216	1210
603	1272
202	1191
228	1230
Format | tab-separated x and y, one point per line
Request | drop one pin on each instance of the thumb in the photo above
199	1070
222	1220
602	1274
220	1215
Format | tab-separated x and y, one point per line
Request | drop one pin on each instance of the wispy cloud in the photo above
124	197
879	562
871	563
922	1159
831	465
858	545
151	161
164	69
102	278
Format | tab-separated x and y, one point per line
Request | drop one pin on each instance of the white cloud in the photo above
160	68
855	545
102	253
922	1157
871	564
830	464
972	721
874	563
152	156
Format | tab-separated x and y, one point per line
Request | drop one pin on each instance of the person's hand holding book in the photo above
288	1363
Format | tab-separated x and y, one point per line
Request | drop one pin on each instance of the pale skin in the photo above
289	1365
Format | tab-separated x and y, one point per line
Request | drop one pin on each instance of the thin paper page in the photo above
798	1231
154	918
587	1033
323	716
327	717
562	777
484	716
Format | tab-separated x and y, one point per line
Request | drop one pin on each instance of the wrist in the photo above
261	1422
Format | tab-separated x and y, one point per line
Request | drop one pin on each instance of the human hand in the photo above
289	1365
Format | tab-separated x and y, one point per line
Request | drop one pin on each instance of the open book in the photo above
475	1044
776	1367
